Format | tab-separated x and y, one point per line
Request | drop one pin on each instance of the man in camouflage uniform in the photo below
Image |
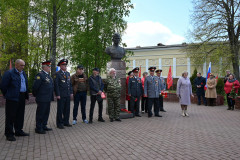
113	88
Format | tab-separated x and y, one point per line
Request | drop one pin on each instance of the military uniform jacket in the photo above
135	88
62	84
163	84
113	87
152	87
43	87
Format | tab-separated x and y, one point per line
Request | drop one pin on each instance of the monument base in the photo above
124	115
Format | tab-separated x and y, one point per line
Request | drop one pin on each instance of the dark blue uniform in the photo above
63	88
43	91
135	89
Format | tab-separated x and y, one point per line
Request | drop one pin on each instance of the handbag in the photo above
103	95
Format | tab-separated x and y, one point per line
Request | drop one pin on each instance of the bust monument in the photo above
115	51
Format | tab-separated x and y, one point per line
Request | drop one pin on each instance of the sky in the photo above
158	21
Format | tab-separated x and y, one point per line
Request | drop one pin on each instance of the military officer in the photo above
163	88
63	91
135	91
152	90
43	91
113	89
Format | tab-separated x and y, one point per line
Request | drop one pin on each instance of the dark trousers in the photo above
144	104
14	115
161	103
42	114
80	97
203	98
211	101
152	101
129	106
230	102
63	111
134	105
92	105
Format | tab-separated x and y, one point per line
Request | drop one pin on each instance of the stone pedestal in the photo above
120	67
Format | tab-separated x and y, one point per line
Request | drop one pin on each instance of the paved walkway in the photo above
210	133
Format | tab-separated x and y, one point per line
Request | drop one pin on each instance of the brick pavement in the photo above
209	133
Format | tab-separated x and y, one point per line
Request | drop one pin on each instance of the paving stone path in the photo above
210	133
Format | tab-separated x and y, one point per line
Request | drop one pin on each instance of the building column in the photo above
146	65
160	63
189	66
204	69
174	67
134	63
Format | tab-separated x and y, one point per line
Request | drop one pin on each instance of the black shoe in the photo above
229	109
22	134
163	111
40	131
47	129
68	125
60	127
11	138
158	115
118	119
101	120
111	119
90	121
149	116
138	115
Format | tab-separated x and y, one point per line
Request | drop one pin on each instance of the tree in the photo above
192	78
97	21
216	32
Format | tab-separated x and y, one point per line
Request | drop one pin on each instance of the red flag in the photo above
10	66
217	78
139	72
169	78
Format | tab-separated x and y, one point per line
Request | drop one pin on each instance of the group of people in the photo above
148	89
14	87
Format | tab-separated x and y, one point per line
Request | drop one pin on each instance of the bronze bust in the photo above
115	51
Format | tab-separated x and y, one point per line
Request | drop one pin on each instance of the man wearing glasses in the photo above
63	92
14	87
43	91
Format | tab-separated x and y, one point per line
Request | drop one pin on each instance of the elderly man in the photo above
135	91
113	88
96	87
152	90
14	87
63	92
163	88
199	83
43	91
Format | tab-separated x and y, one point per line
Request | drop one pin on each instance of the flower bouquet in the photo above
125	110
233	94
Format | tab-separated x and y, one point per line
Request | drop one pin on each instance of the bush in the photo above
220	87
194	75
32	74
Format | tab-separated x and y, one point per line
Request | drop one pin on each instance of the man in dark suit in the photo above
163	88
199	83
63	91
43	91
14	87
135	91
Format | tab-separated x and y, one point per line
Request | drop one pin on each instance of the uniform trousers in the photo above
95	98
42	114
14	115
113	107
152	101
63	111
134	105
144	104
161	103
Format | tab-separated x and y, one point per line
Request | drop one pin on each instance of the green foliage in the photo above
192	78
220	87
32	74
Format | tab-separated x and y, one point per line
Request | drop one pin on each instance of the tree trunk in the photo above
54	39
235	62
